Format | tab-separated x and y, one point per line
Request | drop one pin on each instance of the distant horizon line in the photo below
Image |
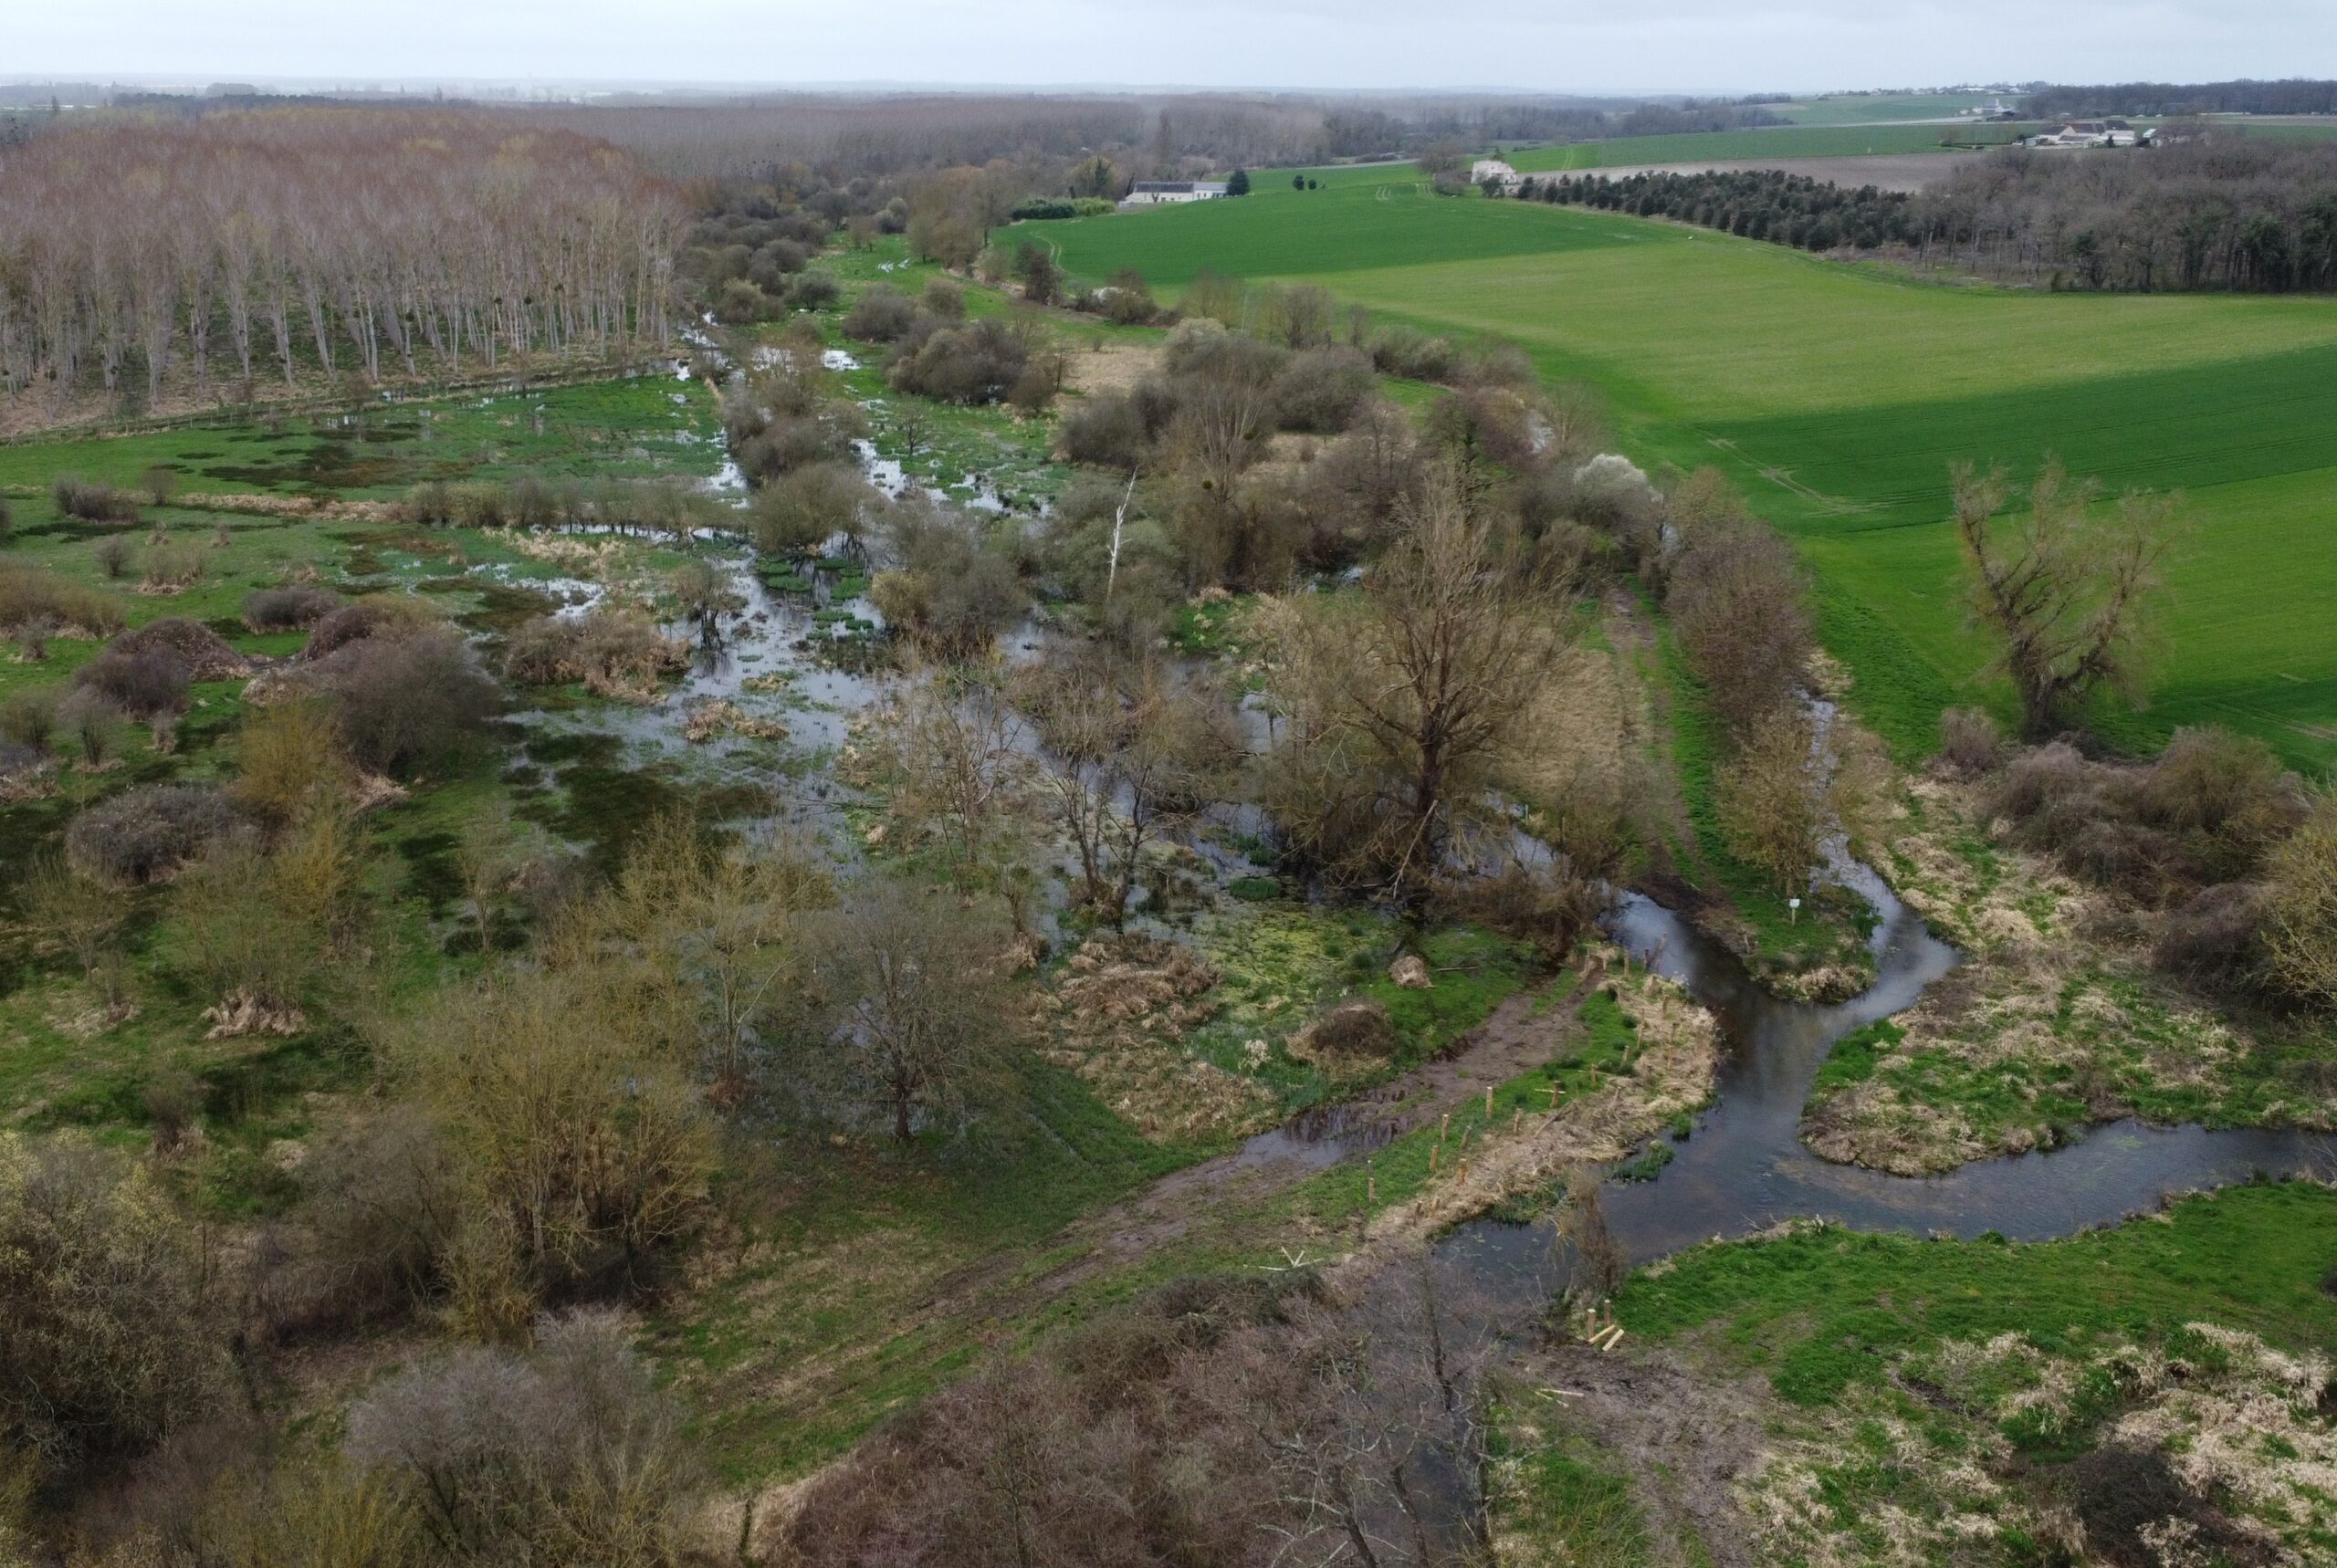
603	86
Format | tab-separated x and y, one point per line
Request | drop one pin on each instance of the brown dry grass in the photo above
719	715
2245	1432
1121	1012
1114	367
297	508
2050	997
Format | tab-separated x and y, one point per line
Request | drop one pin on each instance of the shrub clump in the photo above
1319	391
111	1343
30	597
399	703
2300	930
976	362
1971	745
90	502
147	683
949	594
566	1452
147	833
207	657
2207	811
374	617
883	315
1108	429
294	608
802	510
616	653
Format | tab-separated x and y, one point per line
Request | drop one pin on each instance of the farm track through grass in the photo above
1838	395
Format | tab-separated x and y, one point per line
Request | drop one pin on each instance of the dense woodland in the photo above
2219	211
253	246
1763	204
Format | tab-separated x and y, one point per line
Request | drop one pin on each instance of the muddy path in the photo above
1217	1199
1519	1035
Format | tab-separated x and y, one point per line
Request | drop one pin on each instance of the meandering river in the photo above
1744	1168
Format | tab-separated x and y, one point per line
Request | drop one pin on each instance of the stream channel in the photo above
1744	1168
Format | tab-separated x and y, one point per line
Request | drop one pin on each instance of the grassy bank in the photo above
1928	1393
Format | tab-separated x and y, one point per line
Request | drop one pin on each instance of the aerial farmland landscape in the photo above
790	787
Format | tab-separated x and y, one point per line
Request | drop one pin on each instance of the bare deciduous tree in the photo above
356	239
1128	754
917	1020
954	744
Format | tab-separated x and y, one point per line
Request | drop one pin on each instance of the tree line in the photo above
1759	203
204	256
2295	96
2218	213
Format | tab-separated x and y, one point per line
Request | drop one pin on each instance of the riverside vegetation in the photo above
892	938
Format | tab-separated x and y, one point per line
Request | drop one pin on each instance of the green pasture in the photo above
1868	109
1838	395
1770	142
2288	129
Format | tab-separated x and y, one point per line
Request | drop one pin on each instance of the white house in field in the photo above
1161	193
2090	133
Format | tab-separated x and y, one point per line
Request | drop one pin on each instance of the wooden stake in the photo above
1464	1177
1431	1159
1489	1102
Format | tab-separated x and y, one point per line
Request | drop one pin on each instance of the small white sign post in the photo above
1793	908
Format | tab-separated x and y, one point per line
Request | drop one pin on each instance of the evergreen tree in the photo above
1239	185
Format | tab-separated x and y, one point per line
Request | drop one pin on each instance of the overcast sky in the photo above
1565	46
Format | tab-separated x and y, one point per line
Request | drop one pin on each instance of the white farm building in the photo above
1160	193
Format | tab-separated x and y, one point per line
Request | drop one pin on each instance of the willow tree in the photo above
2068	584
1404	699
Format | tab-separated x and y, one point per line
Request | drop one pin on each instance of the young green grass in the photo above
1820	1310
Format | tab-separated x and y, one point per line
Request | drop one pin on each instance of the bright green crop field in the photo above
1838	395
